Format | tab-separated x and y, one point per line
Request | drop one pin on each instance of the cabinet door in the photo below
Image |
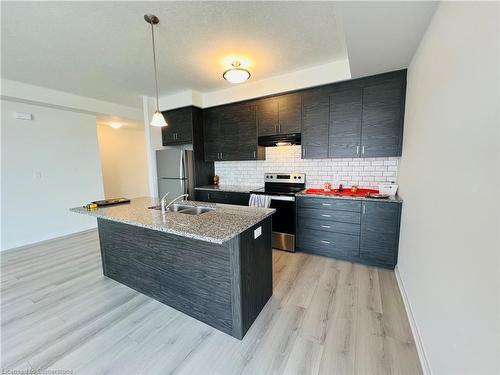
345	123
290	113
315	123
211	134
380	233
382	121
238	132
180	126
267	116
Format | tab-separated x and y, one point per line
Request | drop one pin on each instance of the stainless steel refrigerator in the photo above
175	172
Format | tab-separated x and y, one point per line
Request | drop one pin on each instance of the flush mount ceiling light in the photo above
115	125
158	120
236	74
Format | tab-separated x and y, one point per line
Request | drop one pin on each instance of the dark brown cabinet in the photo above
350	119
180	126
382	120
359	231
345	123
379	240
365	118
315	123
222	197
279	115
231	133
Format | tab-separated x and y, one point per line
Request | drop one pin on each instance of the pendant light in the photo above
158	120
236	74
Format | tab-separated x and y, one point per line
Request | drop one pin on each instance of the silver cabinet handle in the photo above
325	226
324	215
254	154
364	209
357	150
363	149
326	204
303	151
324	241
279	128
221	155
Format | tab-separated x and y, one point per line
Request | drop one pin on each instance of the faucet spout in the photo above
164	207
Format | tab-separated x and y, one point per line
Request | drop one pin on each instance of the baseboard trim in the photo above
413	324
47	241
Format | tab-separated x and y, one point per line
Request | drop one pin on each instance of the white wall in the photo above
449	179
364	172
123	160
48	165
19	91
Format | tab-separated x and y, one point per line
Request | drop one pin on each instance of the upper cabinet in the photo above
231	133
350	119
345	123
382	120
279	115
365	118
180	126
315	117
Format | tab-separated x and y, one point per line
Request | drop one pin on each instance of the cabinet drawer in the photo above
223	197
330	215
330	204
328	244
306	223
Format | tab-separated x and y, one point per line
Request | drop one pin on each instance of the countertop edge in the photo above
219	241
230	189
395	199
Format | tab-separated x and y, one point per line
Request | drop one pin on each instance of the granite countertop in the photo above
229	188
216	226
393	199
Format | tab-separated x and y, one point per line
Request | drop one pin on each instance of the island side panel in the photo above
189	275
251	264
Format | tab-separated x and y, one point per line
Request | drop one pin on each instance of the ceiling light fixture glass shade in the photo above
236	74
158	119
115	125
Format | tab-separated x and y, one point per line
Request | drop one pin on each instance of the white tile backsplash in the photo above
367	172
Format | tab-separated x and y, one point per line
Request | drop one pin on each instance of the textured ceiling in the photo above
103	49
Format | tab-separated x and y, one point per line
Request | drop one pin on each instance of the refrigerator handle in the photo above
182	172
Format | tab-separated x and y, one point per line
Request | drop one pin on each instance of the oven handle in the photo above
282	198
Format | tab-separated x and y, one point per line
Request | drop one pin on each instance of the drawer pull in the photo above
324	241
325	226
326	204
325	215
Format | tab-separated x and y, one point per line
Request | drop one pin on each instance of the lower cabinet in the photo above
223	197
358	231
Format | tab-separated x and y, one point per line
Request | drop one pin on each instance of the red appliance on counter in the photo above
346	192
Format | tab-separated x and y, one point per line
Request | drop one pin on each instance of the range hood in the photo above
280	140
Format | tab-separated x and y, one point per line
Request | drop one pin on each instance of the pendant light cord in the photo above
155	67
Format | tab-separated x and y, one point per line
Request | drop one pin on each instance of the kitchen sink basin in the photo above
184	209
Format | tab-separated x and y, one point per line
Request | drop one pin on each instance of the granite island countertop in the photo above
229	188
217	226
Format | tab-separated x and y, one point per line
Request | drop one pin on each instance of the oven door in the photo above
283	222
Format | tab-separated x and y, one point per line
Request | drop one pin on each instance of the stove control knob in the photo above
300	177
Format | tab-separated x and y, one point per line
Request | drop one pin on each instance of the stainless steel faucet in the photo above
164	207
163	201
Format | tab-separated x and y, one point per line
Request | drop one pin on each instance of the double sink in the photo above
185	209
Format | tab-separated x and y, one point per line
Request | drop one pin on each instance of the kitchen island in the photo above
215	266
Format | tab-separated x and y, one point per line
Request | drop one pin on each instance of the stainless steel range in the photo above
282	187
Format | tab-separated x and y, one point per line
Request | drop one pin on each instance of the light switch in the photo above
23	116
37	175
257	232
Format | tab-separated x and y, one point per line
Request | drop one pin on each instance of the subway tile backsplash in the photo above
366	172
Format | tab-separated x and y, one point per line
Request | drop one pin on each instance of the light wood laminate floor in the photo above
325	317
